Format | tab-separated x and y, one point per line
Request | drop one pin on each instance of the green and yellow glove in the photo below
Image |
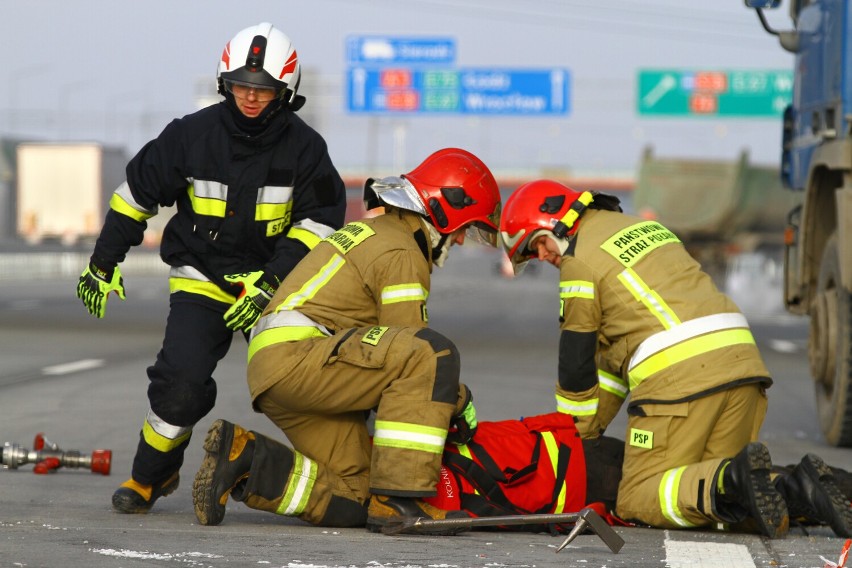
463	424
258	289
95	285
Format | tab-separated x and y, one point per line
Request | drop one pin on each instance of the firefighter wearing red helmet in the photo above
638	316
346	333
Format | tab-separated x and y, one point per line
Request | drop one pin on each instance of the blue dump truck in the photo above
816	163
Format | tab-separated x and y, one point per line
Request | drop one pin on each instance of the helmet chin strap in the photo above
440	245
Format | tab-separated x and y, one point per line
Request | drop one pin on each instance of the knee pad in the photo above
447	367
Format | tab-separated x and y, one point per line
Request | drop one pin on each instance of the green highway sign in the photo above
752	93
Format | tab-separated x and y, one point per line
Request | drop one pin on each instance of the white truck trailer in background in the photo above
63	189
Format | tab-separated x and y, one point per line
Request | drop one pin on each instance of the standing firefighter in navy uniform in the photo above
639	316
346	333
255	190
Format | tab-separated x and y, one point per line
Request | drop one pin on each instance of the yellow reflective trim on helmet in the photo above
212	207
587	407
159	442
304	236
405	435
650	299
572	214
686	350
119	205
553	453
668	494
207	289
300	485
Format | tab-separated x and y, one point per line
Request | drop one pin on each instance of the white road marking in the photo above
690	554
73	367
783	345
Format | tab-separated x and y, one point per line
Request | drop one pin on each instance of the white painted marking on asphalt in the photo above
73	367
691	554
783	345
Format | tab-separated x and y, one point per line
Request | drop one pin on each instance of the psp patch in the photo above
641	438
374	335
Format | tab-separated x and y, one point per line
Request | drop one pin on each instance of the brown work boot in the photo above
134	497
813	497
746	491
384	509
230	449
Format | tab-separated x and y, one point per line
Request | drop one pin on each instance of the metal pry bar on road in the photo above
585	519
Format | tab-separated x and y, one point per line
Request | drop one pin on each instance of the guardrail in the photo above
62	264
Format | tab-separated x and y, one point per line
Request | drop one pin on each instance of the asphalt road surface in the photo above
82	383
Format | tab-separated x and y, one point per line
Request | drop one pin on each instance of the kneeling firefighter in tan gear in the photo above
639	315
346	333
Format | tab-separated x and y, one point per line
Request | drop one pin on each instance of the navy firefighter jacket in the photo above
243	203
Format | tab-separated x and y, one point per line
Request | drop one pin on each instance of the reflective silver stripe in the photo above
320	230
613	384
123	191
651	299
165	429
686	330
188	272
285	318
209	189
274	194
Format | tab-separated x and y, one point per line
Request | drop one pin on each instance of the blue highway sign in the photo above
384	50
394	90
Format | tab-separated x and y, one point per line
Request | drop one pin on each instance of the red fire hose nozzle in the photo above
48	457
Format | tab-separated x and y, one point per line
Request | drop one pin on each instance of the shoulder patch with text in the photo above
631	244
349	236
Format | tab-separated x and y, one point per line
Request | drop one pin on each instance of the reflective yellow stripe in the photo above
577	289
553	453
409	436
465	451
577	407
309	239
612	384
312	286
160	442
197	287
649	298
119	205
281	335
299	486
273	202
208	198
686	350
668	493
404	293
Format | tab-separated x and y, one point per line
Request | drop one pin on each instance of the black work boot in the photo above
746	490
134	497
813	496
227	462
384	509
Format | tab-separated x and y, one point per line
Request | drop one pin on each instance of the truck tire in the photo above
830	349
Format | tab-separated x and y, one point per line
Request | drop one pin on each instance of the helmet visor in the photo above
397	192
481	233
242	90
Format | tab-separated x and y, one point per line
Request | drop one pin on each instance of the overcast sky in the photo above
118	71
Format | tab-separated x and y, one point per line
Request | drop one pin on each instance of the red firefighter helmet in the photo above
537	207
452	188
